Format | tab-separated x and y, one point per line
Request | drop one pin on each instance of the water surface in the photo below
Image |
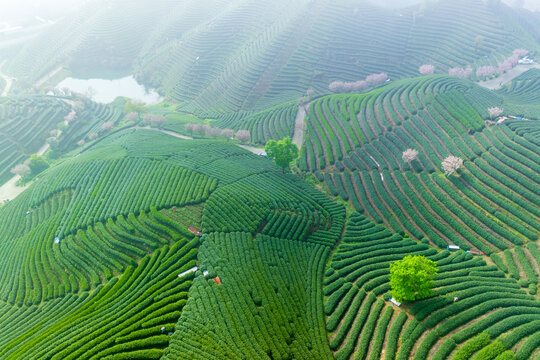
105	91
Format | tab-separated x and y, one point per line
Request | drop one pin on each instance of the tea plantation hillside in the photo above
355	145
216	56
475	313
96	255
29	122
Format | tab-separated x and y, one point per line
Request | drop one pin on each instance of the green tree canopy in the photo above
411	278
282	151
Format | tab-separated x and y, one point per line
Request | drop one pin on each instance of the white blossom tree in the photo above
451	164
409	155
426	69
227	133
21	170
243	135
106	126
132	116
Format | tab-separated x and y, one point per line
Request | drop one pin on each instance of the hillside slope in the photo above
215	56
93	268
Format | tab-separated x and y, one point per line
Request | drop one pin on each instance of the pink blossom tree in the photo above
484	71
520	53
55	132
106	126
427	69
376	79
310	92
214	132
132	116
409	155
197	128
243	135
21	170
227	133
92	136
154	120
81	142
69	117
207	129
337	86
460	72
494	111
451	164
189	128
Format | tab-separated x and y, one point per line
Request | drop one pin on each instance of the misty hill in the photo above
216	56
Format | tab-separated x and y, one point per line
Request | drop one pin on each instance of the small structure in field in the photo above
195	231
193	269
452	247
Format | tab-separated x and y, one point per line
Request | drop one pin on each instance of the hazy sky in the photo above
13	11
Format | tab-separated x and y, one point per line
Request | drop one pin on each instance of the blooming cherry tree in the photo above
410	155
451	164
427	69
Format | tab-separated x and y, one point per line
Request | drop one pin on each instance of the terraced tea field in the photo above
111	226
222	57
355	145
470	299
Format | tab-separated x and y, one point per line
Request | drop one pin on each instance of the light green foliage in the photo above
411	278
282	151
134	106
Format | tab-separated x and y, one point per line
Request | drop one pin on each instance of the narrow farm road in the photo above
510	75
9	80
300	125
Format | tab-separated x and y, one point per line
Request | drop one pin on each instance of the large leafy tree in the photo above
411	278
282	151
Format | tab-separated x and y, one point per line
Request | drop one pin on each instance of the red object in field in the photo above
173	209
217	280
195	231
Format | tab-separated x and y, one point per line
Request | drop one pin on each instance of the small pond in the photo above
105	91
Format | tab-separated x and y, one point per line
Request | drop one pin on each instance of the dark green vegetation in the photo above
470	298
92	270
219	57
134	244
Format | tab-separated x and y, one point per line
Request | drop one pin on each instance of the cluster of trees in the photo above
154	120
207	130
369	81
32	167
512	61
508	64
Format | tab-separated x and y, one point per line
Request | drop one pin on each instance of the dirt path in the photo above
9	80
47	77
300	125
510	75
